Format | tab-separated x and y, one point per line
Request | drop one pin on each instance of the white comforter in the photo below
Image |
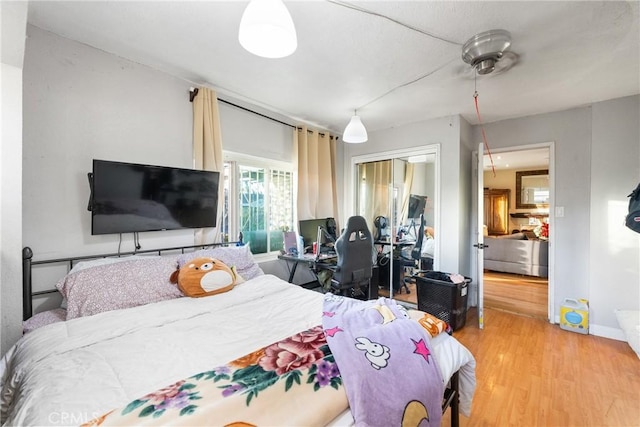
70	372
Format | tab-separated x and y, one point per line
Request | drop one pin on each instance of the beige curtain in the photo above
376	179
406	191
315	154
207	152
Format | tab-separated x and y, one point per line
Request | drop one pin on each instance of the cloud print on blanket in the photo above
384	357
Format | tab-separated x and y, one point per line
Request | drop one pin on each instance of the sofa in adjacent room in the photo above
515	253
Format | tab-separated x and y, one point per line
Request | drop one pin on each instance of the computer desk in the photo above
402	262
323	262
395	243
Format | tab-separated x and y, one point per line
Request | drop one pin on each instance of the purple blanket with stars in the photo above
385	361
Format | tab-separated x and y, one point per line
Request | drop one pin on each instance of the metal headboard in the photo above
28	263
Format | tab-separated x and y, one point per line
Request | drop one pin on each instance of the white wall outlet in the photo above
559	211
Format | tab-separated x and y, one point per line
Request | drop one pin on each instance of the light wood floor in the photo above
411	297
516	293
532	373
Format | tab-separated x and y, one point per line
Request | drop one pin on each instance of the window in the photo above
258	201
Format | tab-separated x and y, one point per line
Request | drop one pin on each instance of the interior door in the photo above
479	234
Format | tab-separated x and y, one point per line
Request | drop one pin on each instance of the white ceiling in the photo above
517	160
566	54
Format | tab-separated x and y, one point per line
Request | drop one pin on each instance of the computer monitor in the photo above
308	229
416	206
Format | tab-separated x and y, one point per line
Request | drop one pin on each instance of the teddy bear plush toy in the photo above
202	277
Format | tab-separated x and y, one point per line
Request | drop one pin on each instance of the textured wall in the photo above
14	22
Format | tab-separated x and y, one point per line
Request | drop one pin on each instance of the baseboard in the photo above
602	331
607	332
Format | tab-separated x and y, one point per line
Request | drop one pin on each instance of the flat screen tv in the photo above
129	197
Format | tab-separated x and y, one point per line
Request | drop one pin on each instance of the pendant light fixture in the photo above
355	133
267	30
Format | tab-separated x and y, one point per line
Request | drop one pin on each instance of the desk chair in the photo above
416	252
354	266
419	261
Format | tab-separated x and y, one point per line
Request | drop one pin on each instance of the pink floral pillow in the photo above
239	257
118	285
42	319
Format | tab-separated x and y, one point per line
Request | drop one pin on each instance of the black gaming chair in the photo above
416	261
424	262
416	252
354	268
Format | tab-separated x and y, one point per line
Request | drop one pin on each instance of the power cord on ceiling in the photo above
408	83
426	33
395	21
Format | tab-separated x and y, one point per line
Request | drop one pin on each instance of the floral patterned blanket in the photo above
390	377
266	387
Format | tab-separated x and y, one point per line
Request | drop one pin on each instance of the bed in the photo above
97	356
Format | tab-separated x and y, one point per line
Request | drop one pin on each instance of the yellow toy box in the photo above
574	315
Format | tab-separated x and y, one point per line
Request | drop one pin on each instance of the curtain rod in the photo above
194	91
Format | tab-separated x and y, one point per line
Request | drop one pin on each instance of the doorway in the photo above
518	198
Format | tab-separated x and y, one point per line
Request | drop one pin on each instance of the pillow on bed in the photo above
239	257
42	319
125	284
81	265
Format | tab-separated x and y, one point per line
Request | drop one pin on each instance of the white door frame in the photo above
478	229
552	213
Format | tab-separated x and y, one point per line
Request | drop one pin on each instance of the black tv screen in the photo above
129	197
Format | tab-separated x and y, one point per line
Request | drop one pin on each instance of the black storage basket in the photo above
445	300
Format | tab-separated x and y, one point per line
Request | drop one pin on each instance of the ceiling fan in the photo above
488	53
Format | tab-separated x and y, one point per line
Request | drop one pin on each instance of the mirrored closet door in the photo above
391	191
